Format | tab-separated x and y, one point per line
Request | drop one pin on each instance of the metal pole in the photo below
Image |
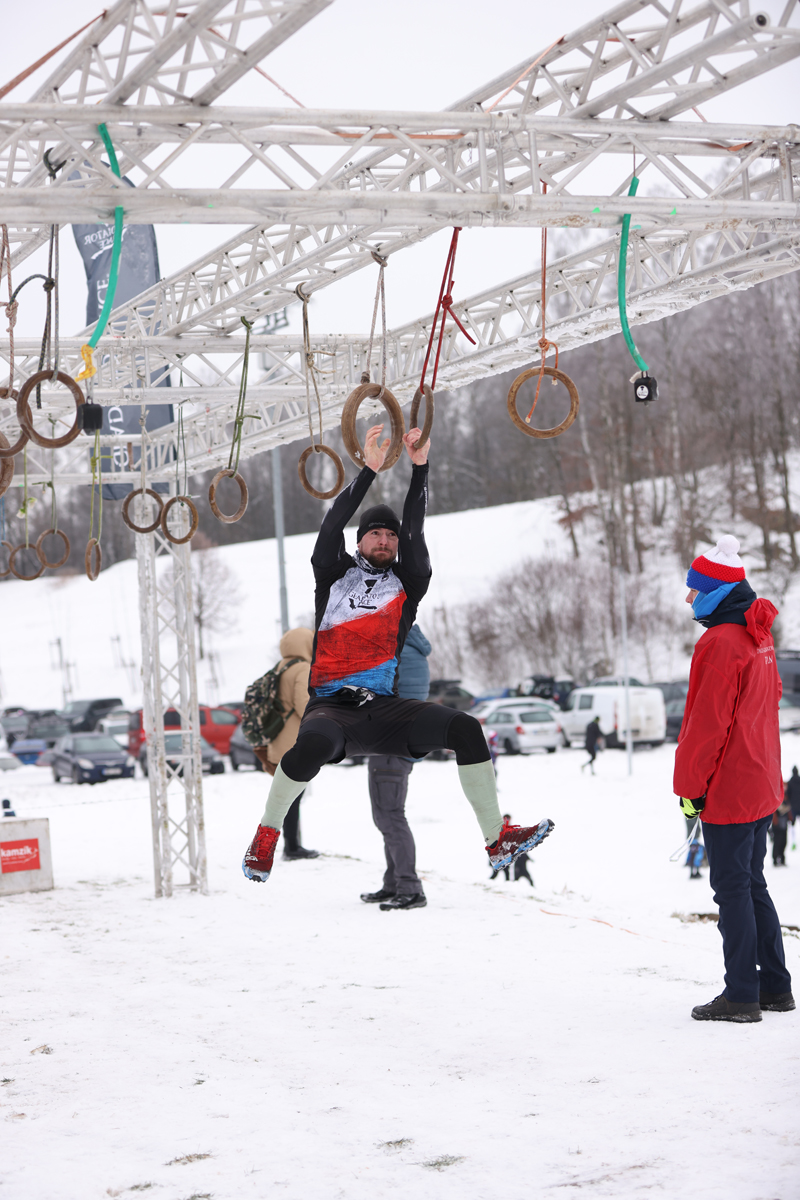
625	668
277	504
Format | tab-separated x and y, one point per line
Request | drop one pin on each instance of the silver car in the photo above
524	728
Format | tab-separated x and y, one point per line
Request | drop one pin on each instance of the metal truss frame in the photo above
326	190
169	681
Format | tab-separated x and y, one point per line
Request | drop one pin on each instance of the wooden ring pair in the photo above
301	471
6	465
373	391
243	496
93	558
415	403
179	541
40	554
25	417
126	503
13	552
520	422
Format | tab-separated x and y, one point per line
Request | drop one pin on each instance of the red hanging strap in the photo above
445	306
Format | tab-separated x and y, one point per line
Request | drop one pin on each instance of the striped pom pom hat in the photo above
721	565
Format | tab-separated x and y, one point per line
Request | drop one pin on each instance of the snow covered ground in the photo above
288	1041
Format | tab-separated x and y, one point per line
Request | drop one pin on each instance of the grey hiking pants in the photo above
388	784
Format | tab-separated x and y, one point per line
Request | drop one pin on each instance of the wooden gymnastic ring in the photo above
25	417
40	554
6	465
415	403
13	569
574	401
93	545
372	391
7	571
301	471
243	496
6	449
176	541
126	505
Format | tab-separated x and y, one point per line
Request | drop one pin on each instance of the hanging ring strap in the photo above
380	296
11	306
310	369
445	306
621	284
89	368
544	343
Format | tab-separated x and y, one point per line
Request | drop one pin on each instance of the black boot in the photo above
777	1001
299	852
417	900
376	897
722	1009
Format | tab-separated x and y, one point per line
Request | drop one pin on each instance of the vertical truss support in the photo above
169	681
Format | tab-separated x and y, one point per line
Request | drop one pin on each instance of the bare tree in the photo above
214	591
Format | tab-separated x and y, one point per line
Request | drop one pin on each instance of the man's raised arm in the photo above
412	551
329	546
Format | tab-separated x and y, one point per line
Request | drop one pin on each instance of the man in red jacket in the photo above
728	771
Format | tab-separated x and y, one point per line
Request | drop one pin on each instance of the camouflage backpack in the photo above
264	715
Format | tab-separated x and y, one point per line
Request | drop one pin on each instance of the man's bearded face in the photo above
379	547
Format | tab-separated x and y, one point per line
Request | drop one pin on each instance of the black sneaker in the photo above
722	1009
776	1001
300	852
417	900
376	897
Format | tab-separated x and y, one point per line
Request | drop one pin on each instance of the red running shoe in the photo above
257	862
514	840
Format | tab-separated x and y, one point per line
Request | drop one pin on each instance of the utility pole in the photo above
64	668
277	504
625	668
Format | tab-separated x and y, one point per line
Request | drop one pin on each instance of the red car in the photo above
216	726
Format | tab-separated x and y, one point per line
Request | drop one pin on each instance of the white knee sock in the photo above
480	788
282	794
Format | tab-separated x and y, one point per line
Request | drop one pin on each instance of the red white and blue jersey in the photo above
364	613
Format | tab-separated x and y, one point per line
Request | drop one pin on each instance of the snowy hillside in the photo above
469	551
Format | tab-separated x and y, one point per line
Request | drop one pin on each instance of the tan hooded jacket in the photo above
293	691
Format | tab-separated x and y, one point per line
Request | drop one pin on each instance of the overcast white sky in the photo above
418	54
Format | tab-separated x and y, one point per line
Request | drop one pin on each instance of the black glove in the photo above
692	808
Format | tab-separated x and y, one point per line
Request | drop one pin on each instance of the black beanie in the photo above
380	516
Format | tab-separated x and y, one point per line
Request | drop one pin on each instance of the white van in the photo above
648	714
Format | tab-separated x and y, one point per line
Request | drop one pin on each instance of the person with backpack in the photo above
274	707
728	771
365	604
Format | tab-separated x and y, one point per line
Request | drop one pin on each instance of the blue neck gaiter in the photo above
704	603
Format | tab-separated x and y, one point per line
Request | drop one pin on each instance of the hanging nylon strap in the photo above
445	306
621	273
544	343
239	419
89	368
310	369
380	295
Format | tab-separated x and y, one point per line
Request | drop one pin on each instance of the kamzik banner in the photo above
138	270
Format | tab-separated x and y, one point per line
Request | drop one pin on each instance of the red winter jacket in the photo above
729	745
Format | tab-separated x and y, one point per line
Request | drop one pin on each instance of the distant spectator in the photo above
521	869
694	858
780	833
792	793
593	735
7	809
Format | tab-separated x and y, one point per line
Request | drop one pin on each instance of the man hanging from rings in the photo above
365	605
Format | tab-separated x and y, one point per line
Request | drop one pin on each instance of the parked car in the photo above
242	753
91	758
8	762
211	762
515	702
677	690
607	701
83	715
548	688
450	693
236	706
48	725
29	750
675	710
524	727
788	714
217	725
115	724
15	723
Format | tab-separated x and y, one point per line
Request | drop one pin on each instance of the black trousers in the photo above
752	943
779	838
388	785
